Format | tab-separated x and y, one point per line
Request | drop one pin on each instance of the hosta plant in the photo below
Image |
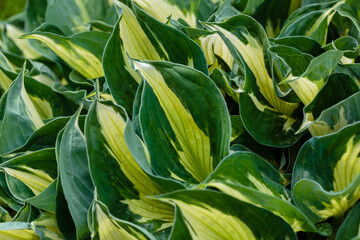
169	119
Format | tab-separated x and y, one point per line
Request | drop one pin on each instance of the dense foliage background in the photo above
179	119
10	8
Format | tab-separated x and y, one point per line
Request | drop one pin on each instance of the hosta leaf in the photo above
272	17
69	15
301	43
338	116
73	16
43	228
287	60
35	16
75	176
10	36
7	198
163	9
46	226
17	231
328	104
274	124
4	215
223	82
244	176
214	46
27	104
46	200
207	217
326	174
106	227
311	21
352	70
179	230
348	45
31	176
5	81
124	185
23	109
186	11
183	143
266	125
82	51
350	227
26	214
308	84
151	41
62	213
45	135
237	127
4	62
247	40
226	10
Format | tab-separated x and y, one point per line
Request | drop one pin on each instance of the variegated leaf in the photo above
185	141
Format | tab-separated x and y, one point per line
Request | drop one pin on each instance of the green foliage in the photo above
10	8
170	119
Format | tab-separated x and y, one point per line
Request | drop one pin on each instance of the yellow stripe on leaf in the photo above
43	107
162	9
194	152
337	207
253	55
135	41
328	15
30	109
36	180
14	33
112	128
21	234
77	57
305	89
108	229
295	224
214	45
348	167
205	222
5	81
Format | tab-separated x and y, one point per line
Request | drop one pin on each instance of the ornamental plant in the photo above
180	119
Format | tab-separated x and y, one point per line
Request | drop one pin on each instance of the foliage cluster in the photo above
180	119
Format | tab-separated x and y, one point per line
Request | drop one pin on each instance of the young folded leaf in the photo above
30	103
122	184
309	83
311	21
248	43
333	107
207	217
83	51
214	46
76	181
104	226
185	140
275	123
30	178
338	116
12	33
326	174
